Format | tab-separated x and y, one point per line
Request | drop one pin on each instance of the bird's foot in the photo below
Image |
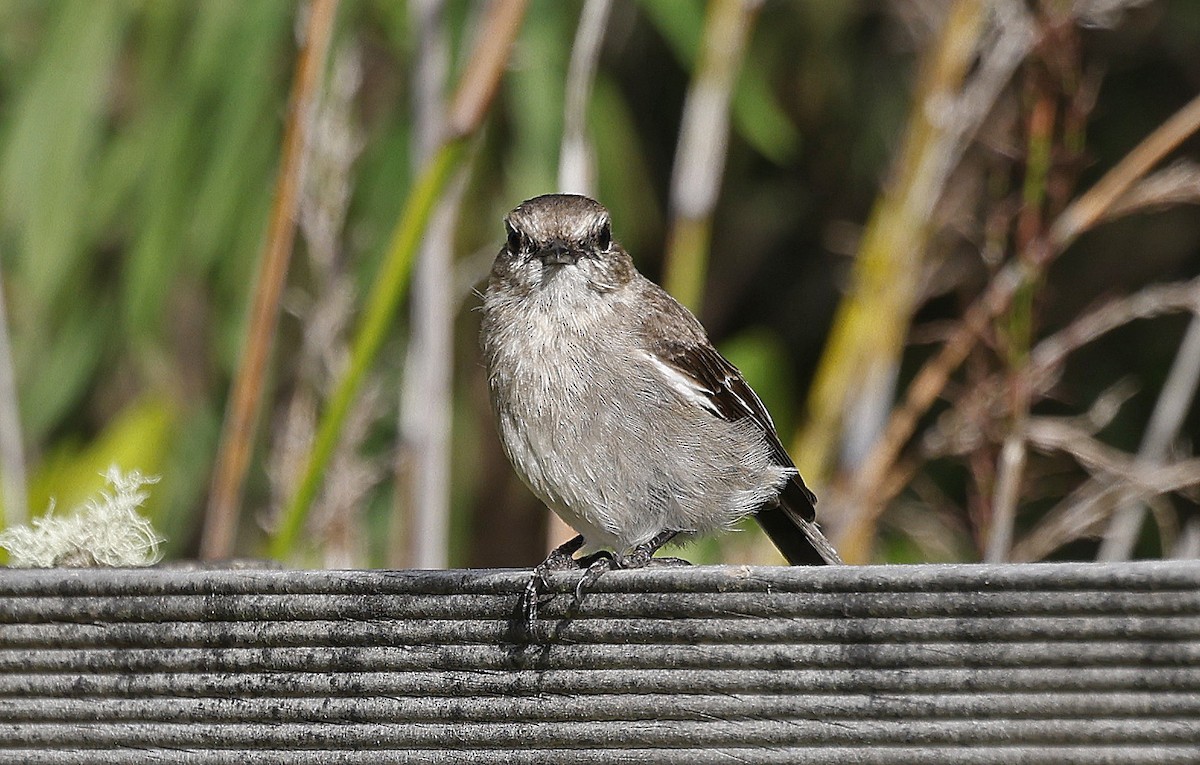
561	558
641	556
664	562
593	566
597	565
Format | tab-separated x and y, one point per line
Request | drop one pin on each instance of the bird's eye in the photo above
604	237
514	238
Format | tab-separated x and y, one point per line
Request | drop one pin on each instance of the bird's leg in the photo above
588	561
639	557
561	558
643	555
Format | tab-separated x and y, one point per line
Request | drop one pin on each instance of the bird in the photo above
615	408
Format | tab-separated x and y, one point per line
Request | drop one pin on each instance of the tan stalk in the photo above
245	399
700	154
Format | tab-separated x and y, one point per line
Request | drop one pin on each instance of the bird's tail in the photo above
792	526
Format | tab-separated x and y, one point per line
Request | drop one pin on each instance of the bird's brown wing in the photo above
718	386
677	343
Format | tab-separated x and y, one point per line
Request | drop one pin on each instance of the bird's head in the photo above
561	237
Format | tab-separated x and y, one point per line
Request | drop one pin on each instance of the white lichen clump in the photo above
107	531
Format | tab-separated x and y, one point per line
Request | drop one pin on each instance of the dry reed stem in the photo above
237	435
868	495
12	450
1170	410
423	457
478	83
1004	502
700	153
869	327
576	162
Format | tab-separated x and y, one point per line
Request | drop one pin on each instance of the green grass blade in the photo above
381	308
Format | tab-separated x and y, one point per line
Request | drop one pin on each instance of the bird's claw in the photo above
593	566
530	598
560	558
598	565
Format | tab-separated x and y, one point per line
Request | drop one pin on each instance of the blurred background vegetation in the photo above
847	193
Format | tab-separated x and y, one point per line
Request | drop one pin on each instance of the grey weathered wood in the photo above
1056	663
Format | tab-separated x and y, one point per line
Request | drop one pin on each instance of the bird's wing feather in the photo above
707	379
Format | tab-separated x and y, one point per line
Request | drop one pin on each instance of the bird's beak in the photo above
559	254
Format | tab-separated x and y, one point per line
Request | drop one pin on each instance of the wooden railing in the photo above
1053	663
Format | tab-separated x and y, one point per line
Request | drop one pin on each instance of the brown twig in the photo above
1146	303
954	432
237	434
1063	523
1174	185
1096	205
1115	474
478	83
1063	435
